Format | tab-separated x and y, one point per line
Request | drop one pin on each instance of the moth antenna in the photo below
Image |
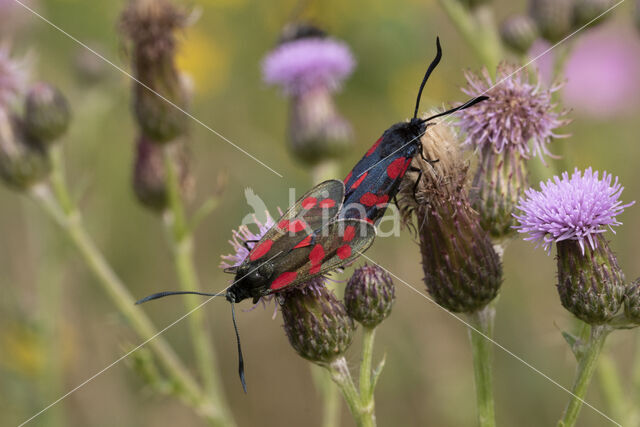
169	293
240	358
432	67
468	104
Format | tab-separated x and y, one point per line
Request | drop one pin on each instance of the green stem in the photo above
181	242
482	352
70	221
478	31
366	390
342	377
586	367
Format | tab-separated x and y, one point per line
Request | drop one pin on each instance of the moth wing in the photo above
316	207
338	243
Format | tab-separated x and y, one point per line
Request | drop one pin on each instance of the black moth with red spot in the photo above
376	178
307	241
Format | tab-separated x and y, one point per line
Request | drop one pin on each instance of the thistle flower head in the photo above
13	77
571	208
519	32
304	63
369	295
519	116
316	322
46	113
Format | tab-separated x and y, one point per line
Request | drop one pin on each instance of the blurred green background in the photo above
428	377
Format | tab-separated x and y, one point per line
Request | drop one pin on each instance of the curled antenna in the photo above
432	67
240	358
169	293
469	103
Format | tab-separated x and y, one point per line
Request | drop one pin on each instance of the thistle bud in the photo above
519	32
309	67
586	11
632	301
553	17
151	27
590	283
497	186
149	176
46	113
369	295
316	323
23	163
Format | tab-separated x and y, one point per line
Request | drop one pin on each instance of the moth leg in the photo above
415	186
246	244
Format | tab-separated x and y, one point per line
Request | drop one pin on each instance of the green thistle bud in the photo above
585	11
151	27
46	113
316	129
369	295
632	301
149	178
23	163
590	282
316	323
498	184
553	17
519	32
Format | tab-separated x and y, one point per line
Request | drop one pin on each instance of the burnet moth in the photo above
307	241
375	179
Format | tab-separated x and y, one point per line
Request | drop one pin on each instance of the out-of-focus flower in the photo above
519	32
149	173
518	116
462	271
586	11
369	295
316	322
472	4
151	26
13	77
517	121
46	113
579	208
307	62
204	60
90	68
14	18
23	162
602	74
553	17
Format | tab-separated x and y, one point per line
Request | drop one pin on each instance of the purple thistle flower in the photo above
577	208
242	235
303	64
517	113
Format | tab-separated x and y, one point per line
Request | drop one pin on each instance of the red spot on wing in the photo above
304	242
396	168
283	280
315	269
284	224
260	250
359	181
373	147
382	200
327	203
369	199
348	177
309	202
349	233
297	225
344	251
369	220
317	255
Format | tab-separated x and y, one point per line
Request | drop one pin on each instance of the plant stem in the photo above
342	377
181	242
324	171
366	390
478	31
482	352
586	367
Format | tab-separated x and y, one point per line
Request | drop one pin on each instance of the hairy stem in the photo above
482	352
586	367
181	242
366	389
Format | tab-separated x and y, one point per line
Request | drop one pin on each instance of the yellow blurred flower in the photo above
22	350
204	60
